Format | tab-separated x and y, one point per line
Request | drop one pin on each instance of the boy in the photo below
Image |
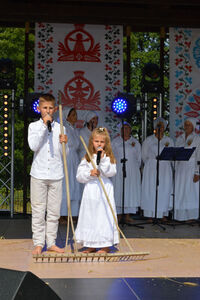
45	140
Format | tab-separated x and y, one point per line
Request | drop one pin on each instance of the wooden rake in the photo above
74	255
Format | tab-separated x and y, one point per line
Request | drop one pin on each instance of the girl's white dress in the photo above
96	227
186	191
72	166
132	188
148	198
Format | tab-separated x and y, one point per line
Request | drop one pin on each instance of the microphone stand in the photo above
123	161
155	220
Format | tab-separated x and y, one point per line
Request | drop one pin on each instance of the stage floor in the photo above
170	271
167	258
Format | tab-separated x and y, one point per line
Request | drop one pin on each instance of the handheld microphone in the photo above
98	156
49	125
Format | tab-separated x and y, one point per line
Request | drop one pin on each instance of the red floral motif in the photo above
178	109
117	42
50	81
40	45
108	88
79	46
188	44
107	47
107	67
117	62
50	60
40	66
189	68
108	109
178	61
194	113
40	88
117	82
41	25
50	40
178	37
197	99
188	91
178	85
79	93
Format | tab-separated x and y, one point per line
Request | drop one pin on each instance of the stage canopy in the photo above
142	15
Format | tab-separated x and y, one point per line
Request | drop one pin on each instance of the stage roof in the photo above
142	15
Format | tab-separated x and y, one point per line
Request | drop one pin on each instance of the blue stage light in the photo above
35	104
124	105
32	103
119	105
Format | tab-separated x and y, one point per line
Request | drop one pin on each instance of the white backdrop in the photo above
84	63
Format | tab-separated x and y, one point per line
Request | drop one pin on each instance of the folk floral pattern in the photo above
44	58
185	67
113	76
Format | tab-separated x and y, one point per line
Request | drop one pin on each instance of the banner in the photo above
184	78
82	62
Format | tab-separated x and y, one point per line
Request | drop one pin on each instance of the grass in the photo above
18	201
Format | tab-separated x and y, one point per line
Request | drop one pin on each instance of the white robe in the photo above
148	198
72	166
96	227
186	191
132	183
85	133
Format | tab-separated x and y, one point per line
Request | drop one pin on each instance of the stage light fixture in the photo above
155	107
32	104
5	124
124	105
151	81
7	74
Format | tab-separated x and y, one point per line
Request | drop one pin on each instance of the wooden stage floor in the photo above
170	271
167	258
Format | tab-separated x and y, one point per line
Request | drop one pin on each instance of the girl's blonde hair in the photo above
108	149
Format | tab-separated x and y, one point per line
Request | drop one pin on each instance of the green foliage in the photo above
12	46
145	48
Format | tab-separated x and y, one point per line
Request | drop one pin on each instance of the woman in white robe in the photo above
91	123
186	190
132	182
149	155
69	120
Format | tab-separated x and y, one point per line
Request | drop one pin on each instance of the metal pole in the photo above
12	152
145	114
26	84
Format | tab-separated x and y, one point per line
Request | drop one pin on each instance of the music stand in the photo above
175	154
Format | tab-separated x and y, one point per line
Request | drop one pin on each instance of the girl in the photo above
96	227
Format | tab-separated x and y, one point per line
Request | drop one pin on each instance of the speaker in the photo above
17	285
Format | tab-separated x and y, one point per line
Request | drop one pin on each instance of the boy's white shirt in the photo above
47	160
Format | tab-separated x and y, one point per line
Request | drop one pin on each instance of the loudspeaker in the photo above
17	285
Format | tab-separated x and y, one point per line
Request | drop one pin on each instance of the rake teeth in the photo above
78	257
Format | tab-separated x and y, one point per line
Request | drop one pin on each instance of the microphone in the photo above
98	155
49	125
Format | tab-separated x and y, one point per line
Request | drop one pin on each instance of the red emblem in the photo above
79	93
79	46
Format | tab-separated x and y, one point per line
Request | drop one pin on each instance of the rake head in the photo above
78	257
